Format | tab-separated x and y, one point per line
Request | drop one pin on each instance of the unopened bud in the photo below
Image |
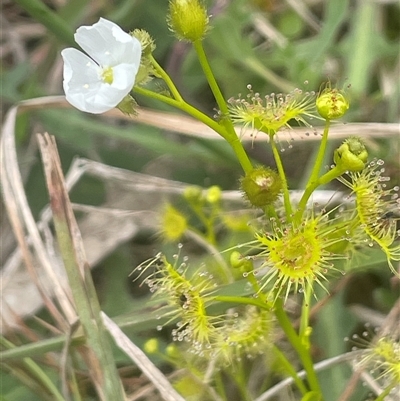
238	261
193	194
151	346
332	103
351	155
261	186
188	19
213	194
146	70
172	351
146	41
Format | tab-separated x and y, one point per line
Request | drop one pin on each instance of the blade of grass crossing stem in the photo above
99	356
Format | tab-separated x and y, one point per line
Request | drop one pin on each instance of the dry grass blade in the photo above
139	357
98	353
24	226
188	126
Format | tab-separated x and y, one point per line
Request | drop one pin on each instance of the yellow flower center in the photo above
107	75
297	255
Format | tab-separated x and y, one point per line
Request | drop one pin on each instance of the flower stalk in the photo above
282	174
231	135
298	345
313	181
234	142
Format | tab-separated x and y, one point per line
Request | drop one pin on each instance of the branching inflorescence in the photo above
299	245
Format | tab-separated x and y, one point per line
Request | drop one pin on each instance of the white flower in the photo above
98	83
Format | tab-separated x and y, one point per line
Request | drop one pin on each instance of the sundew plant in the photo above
249	301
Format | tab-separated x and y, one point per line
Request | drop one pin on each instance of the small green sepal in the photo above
128	105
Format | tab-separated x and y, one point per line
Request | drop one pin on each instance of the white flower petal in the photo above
81	77
108	44
124	77
115	58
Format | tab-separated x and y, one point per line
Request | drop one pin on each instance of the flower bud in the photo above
172	351
261	186
351	155
332	103
213	194
151	346
238	261
188	19
193	194
146	69
146	41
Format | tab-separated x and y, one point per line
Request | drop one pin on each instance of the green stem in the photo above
324	179
281	171
198	115
241	154
270	211
221	102
321	154
187	108
313	180
166	78
305	314
330	175
198	46
237	377
297	344
285	364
